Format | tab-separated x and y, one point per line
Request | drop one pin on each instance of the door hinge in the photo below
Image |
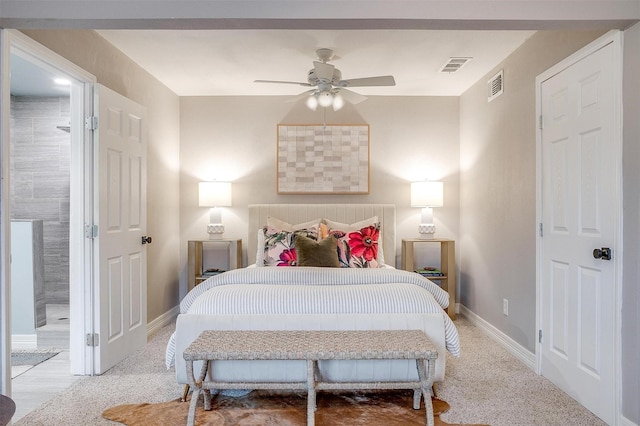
92	339
540	336
90	231
541	233
540	122
91	123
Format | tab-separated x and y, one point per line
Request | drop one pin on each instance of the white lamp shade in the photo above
214	194
427	194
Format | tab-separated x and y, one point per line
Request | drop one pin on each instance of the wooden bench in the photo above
312	346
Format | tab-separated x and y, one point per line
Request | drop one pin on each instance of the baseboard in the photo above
154	326
623	421
514	348
24	341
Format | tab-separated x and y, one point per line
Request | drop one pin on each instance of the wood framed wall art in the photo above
323	159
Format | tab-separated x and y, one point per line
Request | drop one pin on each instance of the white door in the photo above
580	210
120	215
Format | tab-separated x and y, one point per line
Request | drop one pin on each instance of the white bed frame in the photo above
188	327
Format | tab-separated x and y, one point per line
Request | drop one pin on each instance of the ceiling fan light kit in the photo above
329	90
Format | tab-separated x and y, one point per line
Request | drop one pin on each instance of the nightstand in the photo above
195	267
447	265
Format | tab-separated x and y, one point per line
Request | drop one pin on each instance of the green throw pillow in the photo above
317	253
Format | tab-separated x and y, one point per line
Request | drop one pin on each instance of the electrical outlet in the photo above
505	307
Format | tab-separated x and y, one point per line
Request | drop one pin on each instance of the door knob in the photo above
604	253
146	240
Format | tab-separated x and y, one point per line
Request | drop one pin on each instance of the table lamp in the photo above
214	194
427	194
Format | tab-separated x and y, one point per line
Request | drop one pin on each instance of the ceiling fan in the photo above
328	87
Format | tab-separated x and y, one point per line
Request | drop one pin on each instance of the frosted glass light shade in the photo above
338	102
325	98
214	194
427	194
312	102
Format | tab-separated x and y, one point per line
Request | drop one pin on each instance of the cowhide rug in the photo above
285	408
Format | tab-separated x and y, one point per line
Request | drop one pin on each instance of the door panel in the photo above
121	273
579	195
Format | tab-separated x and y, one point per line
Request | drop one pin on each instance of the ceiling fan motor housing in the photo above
313	79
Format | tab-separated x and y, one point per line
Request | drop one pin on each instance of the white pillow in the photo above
286	226
351	226
356	227
260	251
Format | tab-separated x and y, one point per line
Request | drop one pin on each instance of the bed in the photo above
355	296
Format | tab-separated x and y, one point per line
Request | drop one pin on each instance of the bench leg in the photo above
425	373
197	389
417	397
311	392
191	419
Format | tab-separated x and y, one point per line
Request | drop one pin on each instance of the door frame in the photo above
80	248
615	38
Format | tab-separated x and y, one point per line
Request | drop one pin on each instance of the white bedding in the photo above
313	292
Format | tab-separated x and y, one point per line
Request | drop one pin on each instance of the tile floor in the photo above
33	386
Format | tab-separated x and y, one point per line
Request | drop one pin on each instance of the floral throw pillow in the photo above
357	249
279	245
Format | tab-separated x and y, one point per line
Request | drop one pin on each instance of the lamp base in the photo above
215	231
426	230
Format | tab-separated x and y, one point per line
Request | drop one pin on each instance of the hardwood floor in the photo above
36	385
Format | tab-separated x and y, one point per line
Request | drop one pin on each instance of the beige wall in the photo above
114	70
498	187
234	138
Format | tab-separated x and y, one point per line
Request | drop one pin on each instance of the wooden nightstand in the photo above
447	265
195	267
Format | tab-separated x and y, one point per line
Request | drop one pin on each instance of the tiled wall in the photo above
40	179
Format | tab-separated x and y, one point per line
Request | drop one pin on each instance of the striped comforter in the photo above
315	291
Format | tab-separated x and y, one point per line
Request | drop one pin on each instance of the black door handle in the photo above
604	253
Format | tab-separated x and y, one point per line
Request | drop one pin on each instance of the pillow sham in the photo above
357	249
323	253
279	245
351	226
286	226
356	226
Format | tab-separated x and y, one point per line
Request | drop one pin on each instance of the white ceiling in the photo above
226	62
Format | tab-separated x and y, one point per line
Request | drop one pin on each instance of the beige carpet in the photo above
485	385
281	408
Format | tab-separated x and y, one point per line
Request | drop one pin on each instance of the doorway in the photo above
40	166
49	177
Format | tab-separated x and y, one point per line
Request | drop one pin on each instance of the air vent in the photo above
454	64
496	86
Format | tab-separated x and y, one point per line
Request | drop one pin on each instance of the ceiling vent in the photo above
454	64
495	86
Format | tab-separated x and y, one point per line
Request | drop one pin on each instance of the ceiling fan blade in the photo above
324	71
302	95
351	97
283	82
383	80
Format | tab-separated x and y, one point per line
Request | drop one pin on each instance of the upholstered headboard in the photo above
345	213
